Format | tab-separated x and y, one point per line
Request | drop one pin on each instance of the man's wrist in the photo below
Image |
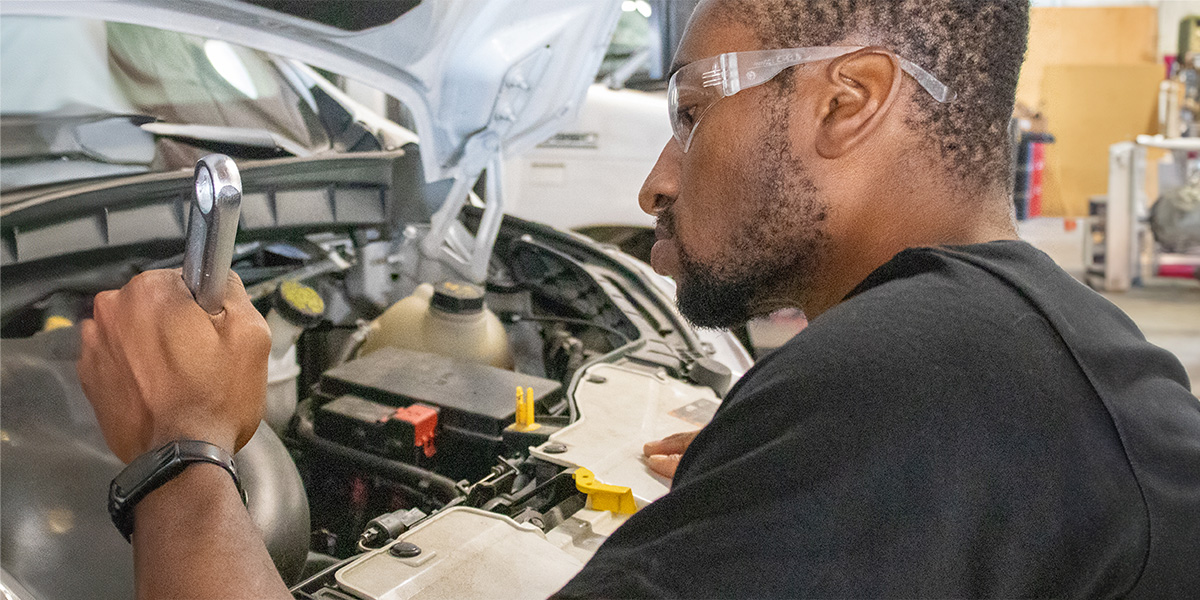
157	468
223	438
201	487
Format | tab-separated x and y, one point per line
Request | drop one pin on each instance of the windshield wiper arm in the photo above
247	137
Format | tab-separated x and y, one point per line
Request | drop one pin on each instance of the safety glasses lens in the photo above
688	99
679	130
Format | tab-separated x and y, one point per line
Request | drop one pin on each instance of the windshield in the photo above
631	55
75	93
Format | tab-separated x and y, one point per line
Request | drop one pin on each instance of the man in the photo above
959	419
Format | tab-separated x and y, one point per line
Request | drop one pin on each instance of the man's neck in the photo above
940	220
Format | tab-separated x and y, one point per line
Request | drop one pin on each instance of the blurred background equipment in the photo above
1132	239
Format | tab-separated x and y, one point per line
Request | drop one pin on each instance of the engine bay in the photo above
422	470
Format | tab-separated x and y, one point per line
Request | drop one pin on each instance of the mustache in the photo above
664	223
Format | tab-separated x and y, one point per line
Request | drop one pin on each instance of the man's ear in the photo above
865	85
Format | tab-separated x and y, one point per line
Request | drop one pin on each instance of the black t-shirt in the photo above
969	422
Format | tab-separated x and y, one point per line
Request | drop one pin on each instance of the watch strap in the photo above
151	470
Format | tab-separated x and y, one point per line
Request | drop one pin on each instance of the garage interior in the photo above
392	461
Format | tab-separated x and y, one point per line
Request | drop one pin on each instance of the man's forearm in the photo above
193	538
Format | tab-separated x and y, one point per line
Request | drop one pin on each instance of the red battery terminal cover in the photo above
423	419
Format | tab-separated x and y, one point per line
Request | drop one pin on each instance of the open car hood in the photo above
479	77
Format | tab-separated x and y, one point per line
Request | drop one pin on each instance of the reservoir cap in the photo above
299	304
457	297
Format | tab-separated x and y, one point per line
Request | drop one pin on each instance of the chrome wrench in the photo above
212	228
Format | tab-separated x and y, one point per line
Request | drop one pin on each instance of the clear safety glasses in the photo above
696	87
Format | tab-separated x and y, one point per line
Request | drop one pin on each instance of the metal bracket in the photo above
1126	192
448	243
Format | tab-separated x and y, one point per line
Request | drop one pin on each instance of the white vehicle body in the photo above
482	81
589	174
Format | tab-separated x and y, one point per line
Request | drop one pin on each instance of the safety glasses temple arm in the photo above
741	70
937	89
736	71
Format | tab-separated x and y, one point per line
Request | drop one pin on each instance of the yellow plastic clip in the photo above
613	498
525	420
56	322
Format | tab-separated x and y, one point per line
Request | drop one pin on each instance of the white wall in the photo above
1169	15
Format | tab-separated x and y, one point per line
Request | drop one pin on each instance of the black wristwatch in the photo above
151	470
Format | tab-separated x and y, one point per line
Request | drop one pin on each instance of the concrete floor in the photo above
1166	310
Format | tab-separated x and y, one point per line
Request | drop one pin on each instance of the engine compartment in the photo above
396	442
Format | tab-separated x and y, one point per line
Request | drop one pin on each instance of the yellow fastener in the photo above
524	415
56	322
613	498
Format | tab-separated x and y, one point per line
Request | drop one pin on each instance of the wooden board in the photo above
1108	35
1093	73
1089	108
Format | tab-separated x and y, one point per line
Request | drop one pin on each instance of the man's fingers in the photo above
93	346
172	287
663	464
89	342
672	444
235	280
662	456
241	317
89	335
156	292
236	298
104	305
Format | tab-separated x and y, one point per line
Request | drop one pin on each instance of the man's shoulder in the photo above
923	307
928	334
925	334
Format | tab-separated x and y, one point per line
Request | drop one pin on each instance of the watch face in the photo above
142	468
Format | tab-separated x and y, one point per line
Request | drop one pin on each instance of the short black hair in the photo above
975	47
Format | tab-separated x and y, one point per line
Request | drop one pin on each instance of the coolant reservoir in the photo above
449	319
295	307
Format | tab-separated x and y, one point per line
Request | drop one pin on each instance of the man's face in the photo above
741	222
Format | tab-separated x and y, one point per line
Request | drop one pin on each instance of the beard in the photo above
774	250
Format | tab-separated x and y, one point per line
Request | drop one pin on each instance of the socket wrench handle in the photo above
211	230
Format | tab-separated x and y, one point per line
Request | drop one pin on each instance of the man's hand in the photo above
663	455
157	368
